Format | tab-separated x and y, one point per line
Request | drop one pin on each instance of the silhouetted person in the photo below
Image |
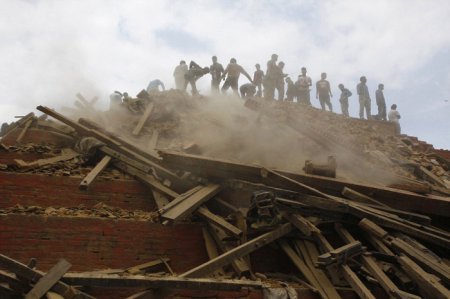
178	74
345	94
303	83
364	98
394	117
291	91
323	92
216	70
279	83
194	73
257	79
233	71
270	79
154	85
247	90
381	102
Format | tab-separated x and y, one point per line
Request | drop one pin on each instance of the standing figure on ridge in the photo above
279	85
216	70
381	102
194	73
233	71
394	117
291	91
364	98
270	79
178	74
303	83
345	94
323	92
154	86
257	79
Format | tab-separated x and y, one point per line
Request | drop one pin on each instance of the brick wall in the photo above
39	136
61	191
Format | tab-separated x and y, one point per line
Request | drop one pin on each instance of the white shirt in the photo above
394	116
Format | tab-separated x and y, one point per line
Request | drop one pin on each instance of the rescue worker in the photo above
115	100
216	70
291	91
247	90
270	79
154	86
323	92
194	73
381	103
178	74
232	73
279	83
364	98
303	83
345	94
257	79
394	116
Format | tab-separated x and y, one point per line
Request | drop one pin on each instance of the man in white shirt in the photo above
394	117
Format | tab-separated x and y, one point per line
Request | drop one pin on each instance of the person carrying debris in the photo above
115	100
381	103
194	73
323	92
257	79
345	94
364	98
179	73
247	90
270	79
279	83
216	70
154	86
303	83
394	116
291	91
232	73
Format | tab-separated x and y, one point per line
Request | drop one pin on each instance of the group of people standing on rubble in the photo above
264	85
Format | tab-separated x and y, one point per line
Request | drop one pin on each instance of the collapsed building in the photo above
172	196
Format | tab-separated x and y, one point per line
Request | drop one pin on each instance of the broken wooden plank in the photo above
431	177
66	154
301	223
191	203
179	198
211	249
240	265
140	268
171	282
160	199
33	275
204	213
49	279
239	251
428	285
143	119
92	175
14	283
361	198
340	255
16	124
24	130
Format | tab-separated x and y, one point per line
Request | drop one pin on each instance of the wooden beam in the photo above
140	268
239	251
49	279
211	249
24	130
17	124
191	203
204	213
143	119
67	154
169	282
92	175
33	275
428	285
361	198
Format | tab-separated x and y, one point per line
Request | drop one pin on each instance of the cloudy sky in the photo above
50	50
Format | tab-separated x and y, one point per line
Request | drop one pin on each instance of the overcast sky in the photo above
50	50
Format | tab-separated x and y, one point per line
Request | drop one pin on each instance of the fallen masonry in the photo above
175	200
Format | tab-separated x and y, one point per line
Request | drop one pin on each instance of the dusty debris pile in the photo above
373	219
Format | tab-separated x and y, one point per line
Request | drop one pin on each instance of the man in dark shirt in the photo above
216	70
270	79
291	91
323	92
345	94
194	73
279	83
364	98
381	103
247	90
257	79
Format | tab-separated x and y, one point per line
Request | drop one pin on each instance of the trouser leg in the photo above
361	108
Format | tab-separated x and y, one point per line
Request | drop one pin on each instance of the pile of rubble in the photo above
380	234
